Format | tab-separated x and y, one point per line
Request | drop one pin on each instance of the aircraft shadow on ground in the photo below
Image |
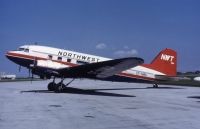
98	92
194	97
71	90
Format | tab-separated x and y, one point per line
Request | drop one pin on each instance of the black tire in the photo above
51	86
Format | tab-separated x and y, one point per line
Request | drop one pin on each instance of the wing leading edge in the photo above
101	70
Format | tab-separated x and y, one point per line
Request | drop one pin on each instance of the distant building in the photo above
7	76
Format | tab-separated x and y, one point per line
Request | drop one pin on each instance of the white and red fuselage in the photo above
164	64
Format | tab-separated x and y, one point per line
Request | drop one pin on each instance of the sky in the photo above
108	28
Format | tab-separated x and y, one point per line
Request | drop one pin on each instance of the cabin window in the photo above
59	58
69	60
50	57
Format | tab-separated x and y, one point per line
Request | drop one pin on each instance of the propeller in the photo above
19	69
29	72
32	76
32	67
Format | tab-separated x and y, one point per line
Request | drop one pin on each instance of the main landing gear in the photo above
155	85
52	86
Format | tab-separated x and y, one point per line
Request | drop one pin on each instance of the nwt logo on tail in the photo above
165	62
167	58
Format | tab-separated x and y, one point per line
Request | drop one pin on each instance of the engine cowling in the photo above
50	64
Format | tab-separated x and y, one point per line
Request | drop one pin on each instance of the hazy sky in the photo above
110	28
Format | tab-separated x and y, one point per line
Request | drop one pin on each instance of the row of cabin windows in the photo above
50	57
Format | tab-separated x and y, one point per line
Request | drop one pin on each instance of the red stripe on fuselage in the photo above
36	58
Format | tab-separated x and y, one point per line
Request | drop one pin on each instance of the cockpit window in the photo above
24	49
21	49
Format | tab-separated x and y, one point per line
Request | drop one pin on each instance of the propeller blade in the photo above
29	73
34	62
31	77
19	69
32	69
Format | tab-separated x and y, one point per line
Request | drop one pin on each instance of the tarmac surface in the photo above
89	104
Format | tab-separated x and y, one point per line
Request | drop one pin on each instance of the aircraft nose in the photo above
9	54
12	56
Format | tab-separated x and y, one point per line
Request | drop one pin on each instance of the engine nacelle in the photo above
50	64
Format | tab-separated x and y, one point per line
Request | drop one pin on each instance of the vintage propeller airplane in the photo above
48	62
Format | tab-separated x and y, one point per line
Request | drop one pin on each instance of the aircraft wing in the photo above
101	69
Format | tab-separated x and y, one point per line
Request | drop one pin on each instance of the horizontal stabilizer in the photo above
170	78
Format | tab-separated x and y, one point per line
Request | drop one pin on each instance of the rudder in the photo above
165	62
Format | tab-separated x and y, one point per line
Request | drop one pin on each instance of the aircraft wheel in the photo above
155	85
51	86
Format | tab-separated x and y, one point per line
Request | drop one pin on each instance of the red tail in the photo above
165	62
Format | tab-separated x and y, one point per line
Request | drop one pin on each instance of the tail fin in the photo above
165	62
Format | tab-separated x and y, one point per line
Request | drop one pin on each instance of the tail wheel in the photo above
155	85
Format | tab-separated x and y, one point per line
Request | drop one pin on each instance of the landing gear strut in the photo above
60	86
52	86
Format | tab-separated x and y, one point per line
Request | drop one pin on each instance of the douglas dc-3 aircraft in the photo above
48	62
